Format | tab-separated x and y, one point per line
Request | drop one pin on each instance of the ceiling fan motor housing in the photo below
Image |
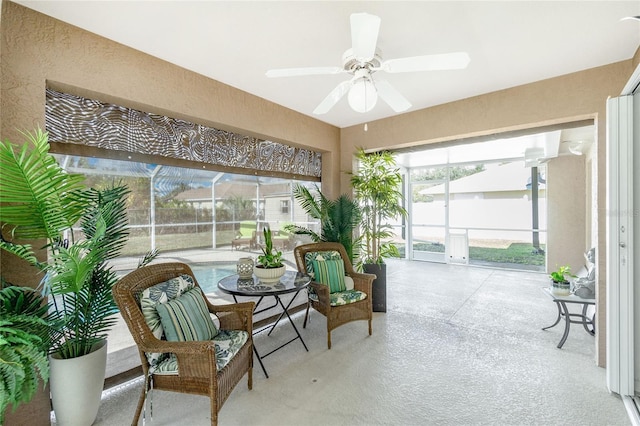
351	64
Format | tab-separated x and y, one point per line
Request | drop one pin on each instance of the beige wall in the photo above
38	52
566	211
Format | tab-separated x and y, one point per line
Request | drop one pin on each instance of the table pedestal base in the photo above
563	311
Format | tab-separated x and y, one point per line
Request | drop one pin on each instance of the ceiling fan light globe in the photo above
362	96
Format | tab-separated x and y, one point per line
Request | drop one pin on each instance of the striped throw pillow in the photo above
187	318
330	272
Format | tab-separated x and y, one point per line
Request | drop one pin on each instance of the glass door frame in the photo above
410	223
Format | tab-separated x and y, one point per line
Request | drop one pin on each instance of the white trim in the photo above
620	338
633	83
632	406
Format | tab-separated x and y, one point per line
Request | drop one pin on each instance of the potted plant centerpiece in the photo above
377	189
269	268
41	202
560	285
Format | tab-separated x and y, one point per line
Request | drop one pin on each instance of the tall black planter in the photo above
379	285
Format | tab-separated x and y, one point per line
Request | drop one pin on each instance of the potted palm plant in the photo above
269	268
377	188
338	218
40	201
24	343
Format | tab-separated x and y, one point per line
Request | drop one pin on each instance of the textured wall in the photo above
566	210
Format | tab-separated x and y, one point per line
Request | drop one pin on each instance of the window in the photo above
284	206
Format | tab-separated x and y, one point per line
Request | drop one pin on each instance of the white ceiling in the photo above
510	42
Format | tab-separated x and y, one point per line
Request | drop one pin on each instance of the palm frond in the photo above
308	201
148	258
23	251
301	230
36	194
23	361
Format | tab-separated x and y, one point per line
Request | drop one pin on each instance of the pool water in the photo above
208	276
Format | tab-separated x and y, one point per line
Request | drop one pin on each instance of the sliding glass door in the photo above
428	207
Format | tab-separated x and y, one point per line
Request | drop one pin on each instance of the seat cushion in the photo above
330	272
187	318
157	294
343	297
227	342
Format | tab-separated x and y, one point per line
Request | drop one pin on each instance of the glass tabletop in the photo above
290	282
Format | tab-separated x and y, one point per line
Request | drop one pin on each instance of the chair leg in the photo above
306	316
214	416
141	401
369	326
328	339
250	382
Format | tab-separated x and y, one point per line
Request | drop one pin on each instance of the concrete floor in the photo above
457	346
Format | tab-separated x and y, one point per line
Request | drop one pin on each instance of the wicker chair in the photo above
320	296
196	359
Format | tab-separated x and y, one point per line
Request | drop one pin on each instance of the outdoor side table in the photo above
563	311
291	282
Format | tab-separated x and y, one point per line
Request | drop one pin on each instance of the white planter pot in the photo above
269	275
76	386
561	289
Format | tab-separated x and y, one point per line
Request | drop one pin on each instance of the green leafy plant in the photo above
41	201
377	189
561	273
270	258
338	218
24	343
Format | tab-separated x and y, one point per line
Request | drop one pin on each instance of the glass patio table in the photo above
291	282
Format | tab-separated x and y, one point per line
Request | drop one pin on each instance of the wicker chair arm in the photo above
235	316
363	282
322	291
153	345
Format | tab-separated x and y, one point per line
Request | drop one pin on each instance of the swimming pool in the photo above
209	275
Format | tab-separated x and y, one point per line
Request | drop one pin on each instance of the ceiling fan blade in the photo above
391	96
333	98
364	35
445	61
293	72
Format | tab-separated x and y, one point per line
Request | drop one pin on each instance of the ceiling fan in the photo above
362	60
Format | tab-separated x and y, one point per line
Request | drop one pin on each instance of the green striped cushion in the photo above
331	273
155	295
187	318
318	255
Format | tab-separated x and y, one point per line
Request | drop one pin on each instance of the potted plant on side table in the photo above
377	189
560	285
269	268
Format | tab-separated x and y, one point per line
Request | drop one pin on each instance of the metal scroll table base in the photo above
563	311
